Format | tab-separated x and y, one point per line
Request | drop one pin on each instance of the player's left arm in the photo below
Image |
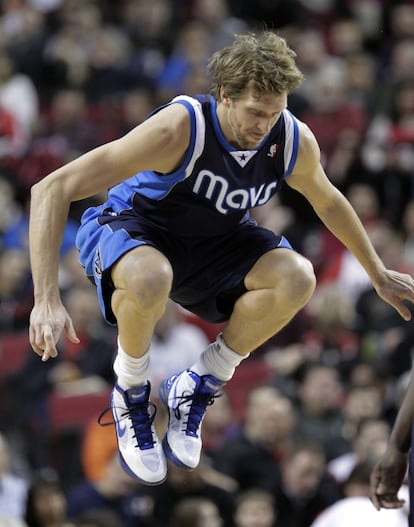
338	215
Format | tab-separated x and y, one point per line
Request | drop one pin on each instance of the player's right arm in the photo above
389	472
157	144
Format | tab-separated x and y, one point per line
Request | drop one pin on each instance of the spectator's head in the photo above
363	402
255	508
357	483
371	439
196	512
321	390
98	518
46	502
303	470
269	416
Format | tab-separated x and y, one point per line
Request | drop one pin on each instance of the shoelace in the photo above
197	409
142	416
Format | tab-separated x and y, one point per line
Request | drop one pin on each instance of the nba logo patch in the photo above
273	150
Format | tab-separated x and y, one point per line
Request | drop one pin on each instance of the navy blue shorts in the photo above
208	271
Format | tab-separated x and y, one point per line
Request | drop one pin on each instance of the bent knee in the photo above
302	276
285	271
145	275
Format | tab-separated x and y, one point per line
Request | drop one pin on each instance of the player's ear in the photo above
224	98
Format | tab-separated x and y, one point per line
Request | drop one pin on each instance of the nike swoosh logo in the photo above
120	429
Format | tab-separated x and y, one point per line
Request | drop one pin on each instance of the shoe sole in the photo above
125	468
162	392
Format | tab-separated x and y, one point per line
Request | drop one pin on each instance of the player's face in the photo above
250	118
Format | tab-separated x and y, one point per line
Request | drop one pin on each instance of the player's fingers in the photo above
375	501
391	502
34	342
403	310
70	332
49	344
375	482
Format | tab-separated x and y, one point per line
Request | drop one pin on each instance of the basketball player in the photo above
390	471
176	225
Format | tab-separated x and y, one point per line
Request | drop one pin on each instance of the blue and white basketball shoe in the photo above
140	453
186	397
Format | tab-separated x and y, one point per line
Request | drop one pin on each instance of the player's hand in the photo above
47	322
386	479
395	289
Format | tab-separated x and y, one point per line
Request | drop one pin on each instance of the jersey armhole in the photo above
291	142
197	131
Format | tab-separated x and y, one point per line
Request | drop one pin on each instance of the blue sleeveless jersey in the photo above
216	185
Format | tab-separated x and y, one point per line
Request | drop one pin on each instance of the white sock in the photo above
218	360
131	371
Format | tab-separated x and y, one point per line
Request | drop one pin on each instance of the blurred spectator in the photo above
388	151
78	369
98	518
220	424
368	15
339	265
203	482
361	81
216	16
13	488
68	128
71	274
46	503
355	508
151	28
255	508
312	58
345	37
136	106
368	444
16	294
176	344
381	331
85	367
10	206
195	512
20	103
66	49
306	488
362	403
336	121
188	58
16	235
320	416
331	338
252	457
115	492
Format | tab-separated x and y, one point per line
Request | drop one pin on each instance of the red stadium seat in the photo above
14	348
74	412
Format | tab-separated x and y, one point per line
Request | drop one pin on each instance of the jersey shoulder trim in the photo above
198	131
291	142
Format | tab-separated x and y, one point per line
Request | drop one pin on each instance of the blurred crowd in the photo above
292	439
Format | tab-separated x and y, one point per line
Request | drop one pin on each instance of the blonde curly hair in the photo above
261	62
